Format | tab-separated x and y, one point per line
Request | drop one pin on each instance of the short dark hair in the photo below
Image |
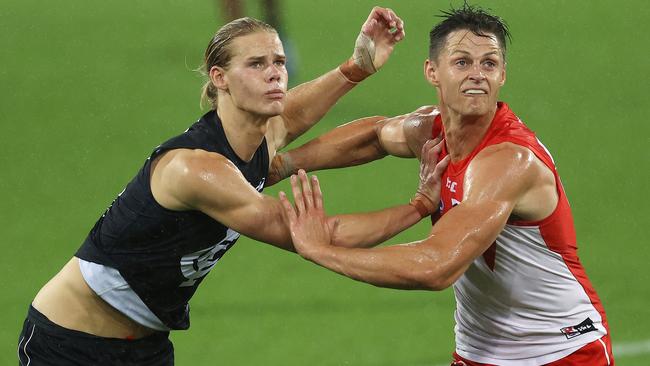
469	17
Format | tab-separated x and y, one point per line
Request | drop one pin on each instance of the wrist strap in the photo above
352	72
420	207
284	166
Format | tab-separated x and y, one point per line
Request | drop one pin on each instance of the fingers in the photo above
387	18
426	148
318	195
297	195
432	148
306	194
383	15
288	209
441	166
306	189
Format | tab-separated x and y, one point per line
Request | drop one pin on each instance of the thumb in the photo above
441	166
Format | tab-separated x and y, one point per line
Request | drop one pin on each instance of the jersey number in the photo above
196	265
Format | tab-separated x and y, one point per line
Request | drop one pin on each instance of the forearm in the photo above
402	266
265	222
307	103
369	229
350	144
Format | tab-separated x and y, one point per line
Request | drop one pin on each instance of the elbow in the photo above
438	285
435	284
432	280
343	241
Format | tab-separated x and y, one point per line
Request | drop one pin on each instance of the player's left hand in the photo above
307	221
431	170
379	34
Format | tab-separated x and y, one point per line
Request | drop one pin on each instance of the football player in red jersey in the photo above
504	236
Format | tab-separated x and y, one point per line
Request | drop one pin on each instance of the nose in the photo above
476	73
274	73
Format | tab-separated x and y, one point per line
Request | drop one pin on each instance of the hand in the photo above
307	221
379	34
431	171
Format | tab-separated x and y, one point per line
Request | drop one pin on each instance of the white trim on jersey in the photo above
109	284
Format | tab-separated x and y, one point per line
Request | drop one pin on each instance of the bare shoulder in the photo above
404	135
191	164
421	119
418	127
512	152
181	178
501	168
512	173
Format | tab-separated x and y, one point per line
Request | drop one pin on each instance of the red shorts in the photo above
596	353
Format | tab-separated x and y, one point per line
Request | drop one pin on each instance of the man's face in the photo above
468	73
256	77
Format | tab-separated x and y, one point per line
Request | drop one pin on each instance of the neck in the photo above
464	133
244	130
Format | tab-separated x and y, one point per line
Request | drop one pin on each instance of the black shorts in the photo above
44	343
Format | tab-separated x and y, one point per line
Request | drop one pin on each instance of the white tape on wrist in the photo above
364	53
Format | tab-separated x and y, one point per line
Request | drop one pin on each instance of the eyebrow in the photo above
261	58
483	55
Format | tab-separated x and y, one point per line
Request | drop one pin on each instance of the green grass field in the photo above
87	89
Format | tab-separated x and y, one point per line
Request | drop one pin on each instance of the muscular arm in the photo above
185	179
358	142
496	181
208	182
307	103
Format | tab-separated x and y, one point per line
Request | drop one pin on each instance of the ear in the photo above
430	72
218	78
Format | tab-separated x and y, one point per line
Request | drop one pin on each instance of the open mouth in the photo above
474	92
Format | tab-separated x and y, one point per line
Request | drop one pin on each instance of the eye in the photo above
490	64
256	64
280	63
461	62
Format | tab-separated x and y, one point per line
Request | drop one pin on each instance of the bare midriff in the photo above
69	302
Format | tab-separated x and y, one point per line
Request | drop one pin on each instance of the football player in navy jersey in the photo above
130	282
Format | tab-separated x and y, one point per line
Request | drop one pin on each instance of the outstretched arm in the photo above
358	142
185	179
307	103
455	241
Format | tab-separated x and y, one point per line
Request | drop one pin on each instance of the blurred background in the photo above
88	89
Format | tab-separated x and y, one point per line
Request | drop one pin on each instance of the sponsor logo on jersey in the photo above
585	327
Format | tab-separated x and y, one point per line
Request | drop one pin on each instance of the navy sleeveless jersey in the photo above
163	254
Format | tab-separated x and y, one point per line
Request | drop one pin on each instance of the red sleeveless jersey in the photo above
527	299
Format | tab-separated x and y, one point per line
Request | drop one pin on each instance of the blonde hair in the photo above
219	54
